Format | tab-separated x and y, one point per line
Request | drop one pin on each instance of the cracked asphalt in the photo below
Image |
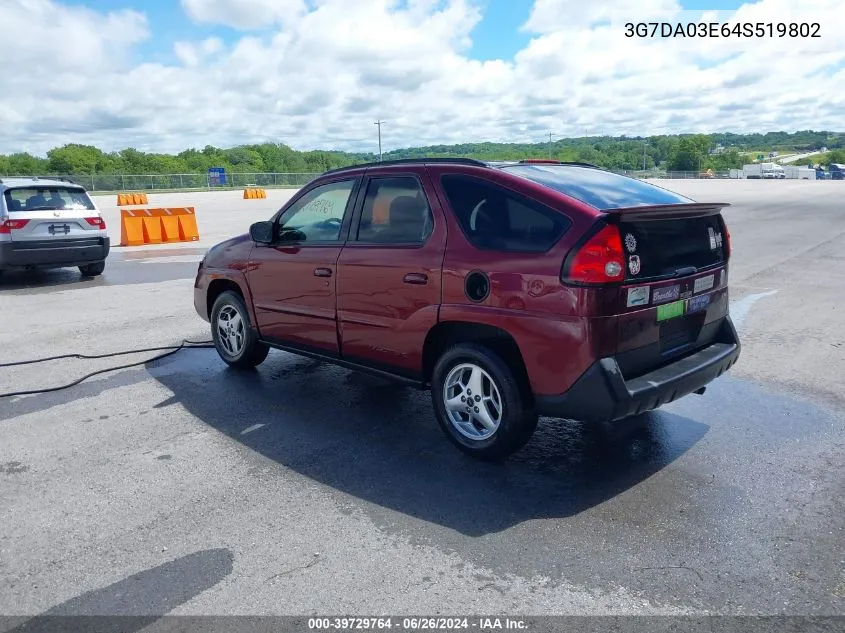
183	487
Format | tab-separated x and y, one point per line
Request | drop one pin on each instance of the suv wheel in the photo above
479	404
234	337
93	270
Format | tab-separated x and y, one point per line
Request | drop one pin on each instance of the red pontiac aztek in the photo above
511	290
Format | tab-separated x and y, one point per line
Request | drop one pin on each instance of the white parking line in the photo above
740	309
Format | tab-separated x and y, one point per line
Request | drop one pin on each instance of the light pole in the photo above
645	146
378	124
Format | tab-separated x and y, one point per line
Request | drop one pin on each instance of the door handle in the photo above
322	272
416	278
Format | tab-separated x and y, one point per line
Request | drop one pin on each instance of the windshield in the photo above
47	198
596	187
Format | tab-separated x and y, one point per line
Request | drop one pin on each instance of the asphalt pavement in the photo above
184	487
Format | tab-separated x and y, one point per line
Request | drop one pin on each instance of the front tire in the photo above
479	404
93	270
234	337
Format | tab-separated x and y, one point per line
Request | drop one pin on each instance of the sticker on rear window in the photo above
712	238
630	242
704	283
638	296
669	293
634	264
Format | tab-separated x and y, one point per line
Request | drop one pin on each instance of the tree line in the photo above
688	152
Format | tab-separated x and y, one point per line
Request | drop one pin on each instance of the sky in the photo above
165	75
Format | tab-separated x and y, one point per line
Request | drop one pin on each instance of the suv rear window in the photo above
596	187
664	247
494	218
47	198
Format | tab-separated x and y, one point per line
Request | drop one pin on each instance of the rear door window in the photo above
494	218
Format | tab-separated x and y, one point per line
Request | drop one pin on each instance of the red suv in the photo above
511	290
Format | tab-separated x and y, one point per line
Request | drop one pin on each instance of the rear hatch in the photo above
51	213
674	297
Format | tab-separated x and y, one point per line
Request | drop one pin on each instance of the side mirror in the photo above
262	232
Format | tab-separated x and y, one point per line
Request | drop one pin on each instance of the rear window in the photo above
658	248
47	198
598	188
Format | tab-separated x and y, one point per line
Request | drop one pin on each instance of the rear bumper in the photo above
54	253
602	394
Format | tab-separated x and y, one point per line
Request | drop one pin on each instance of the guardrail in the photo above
166	182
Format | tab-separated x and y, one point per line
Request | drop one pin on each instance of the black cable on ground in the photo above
172	349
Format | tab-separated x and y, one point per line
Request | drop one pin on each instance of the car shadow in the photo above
117	273
136	602
380	443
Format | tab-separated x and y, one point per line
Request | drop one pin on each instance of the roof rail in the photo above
547	161
411	161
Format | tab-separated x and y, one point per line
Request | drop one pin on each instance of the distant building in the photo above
719	149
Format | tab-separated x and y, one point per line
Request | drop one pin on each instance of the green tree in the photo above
23	164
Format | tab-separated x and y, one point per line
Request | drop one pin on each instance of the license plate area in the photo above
58	229
681	331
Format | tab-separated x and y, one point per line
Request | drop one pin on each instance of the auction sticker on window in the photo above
670	310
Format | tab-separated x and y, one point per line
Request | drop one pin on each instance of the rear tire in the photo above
93	270
234	337
493	420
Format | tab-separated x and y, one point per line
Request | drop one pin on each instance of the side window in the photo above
493	218
317	216
395	211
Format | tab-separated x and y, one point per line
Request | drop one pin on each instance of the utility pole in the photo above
378	124
645	145
550	145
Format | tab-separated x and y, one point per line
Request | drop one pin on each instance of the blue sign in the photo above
216	176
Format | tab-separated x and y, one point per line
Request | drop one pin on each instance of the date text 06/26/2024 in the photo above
730	30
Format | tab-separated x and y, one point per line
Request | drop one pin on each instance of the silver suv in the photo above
50	224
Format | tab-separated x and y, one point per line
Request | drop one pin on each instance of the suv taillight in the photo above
98	222
727	239
9	225
600	260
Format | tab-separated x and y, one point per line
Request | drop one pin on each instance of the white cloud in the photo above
43	36
321	80
192	54
243	14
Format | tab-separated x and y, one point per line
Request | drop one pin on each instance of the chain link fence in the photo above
199	182
171	182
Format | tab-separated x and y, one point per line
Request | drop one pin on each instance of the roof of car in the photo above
454	161
23	181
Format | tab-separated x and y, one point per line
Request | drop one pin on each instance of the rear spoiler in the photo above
666	211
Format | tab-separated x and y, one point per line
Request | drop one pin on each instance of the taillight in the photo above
10	225
600	260
98	222
727	239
